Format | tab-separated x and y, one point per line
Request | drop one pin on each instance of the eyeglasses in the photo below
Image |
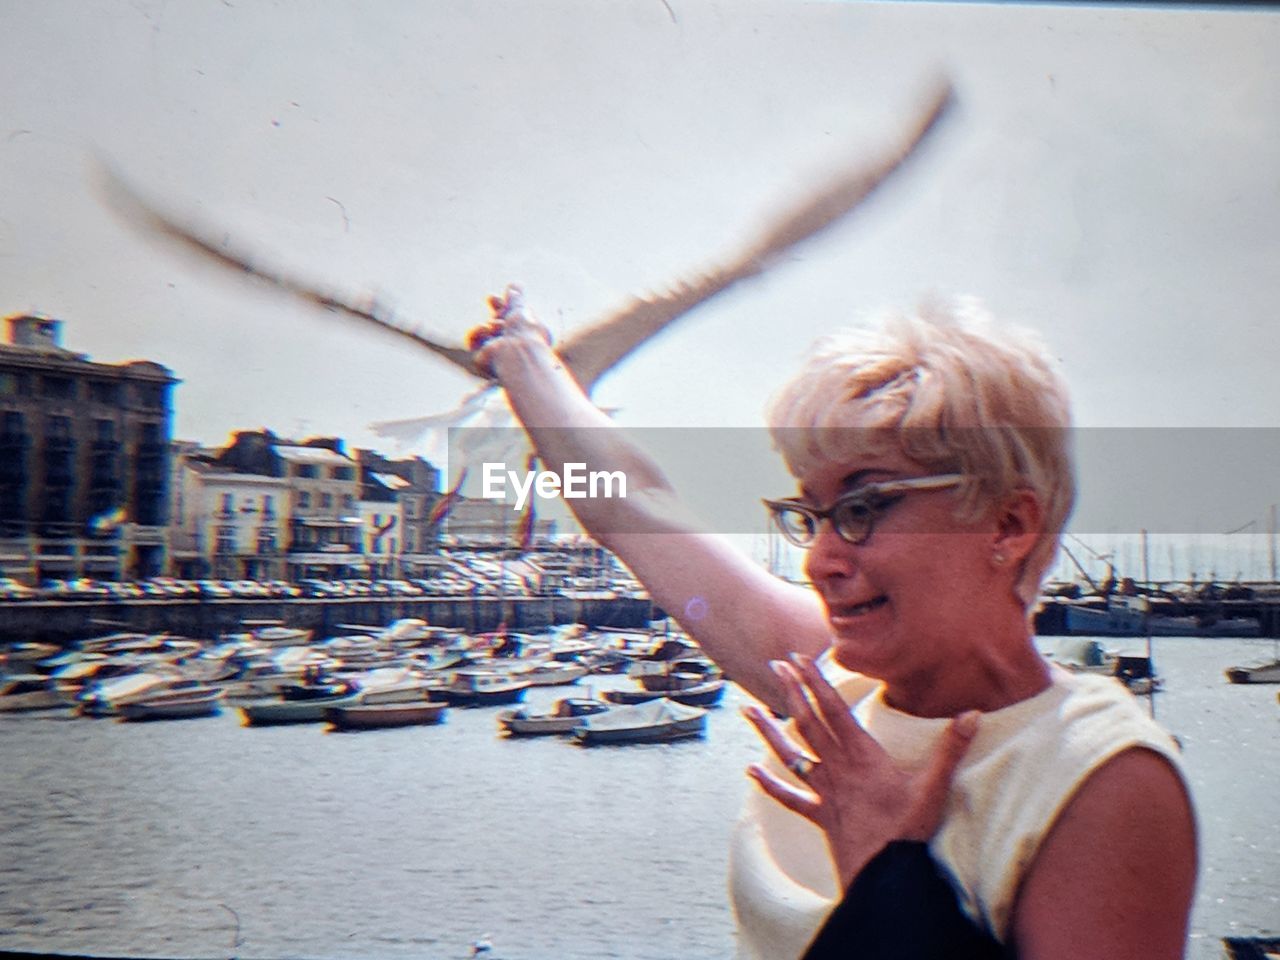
854	515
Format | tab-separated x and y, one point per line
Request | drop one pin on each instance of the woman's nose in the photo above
830	555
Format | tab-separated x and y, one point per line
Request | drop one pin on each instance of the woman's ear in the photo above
1019	525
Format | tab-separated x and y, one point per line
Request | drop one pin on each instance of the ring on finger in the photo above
802	766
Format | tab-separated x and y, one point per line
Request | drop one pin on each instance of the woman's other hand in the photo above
859	796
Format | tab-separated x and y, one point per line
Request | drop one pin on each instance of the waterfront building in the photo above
382	523
480	522
323	515
227	524
413	485
84	460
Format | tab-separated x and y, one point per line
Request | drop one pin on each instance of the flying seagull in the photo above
592	350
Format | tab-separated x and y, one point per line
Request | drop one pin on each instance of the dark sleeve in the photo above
901	907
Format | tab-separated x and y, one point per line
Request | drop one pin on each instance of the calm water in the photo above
206	839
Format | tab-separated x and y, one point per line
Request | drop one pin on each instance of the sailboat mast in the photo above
1146	624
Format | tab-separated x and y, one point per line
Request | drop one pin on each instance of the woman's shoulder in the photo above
1024	767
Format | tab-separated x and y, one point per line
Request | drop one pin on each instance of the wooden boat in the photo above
30	691
176	705
567	713
1138	674
1251	948
481	688
270	713
702	695
655	722
1263	671
380	716
555	674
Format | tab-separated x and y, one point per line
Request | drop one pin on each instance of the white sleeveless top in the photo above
1025	763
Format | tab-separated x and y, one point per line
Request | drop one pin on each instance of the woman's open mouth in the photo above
842	612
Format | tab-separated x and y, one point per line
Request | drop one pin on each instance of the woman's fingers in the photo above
805	804
810	725
772	734
834	711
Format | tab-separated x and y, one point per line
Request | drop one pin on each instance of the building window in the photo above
411	540
304	498
102	391
57	428
348	501
13	384
228	505
57	388
344	473
104	431
150	433
150	395
268	507
326	501
305	470
12	423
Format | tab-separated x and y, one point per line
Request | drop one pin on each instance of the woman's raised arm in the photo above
739	614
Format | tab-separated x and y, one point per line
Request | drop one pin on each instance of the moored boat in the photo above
30	691
176	705
565	715
1263	671
655	722
270	713
700	695
381	716
480	688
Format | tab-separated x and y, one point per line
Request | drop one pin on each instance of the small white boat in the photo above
479	688
655	722
568	712
30	692
554	674
104	698
1261	671
174	705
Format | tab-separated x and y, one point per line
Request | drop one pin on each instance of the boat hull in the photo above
657	733
385	716
272	713
173	708
1255	673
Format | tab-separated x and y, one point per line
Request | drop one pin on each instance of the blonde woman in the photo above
932	457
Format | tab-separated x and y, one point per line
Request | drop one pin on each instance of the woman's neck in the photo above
996	675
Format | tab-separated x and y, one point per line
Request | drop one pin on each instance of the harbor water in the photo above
203	838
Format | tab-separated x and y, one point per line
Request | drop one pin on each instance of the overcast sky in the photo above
1110	179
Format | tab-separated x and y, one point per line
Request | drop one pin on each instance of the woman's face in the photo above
903	604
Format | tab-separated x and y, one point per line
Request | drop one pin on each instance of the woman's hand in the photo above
512	323
859	796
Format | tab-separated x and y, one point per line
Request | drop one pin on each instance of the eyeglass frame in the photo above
858	497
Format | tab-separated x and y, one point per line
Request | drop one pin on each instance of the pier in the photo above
64	622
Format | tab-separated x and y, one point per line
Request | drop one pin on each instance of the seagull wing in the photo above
201	240
594	350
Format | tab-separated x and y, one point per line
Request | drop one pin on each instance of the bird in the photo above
590	351
482	946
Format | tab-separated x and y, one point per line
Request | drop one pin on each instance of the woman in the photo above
935	477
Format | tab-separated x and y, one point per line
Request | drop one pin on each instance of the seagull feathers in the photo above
591	351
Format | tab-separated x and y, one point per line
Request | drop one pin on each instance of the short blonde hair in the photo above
954	392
